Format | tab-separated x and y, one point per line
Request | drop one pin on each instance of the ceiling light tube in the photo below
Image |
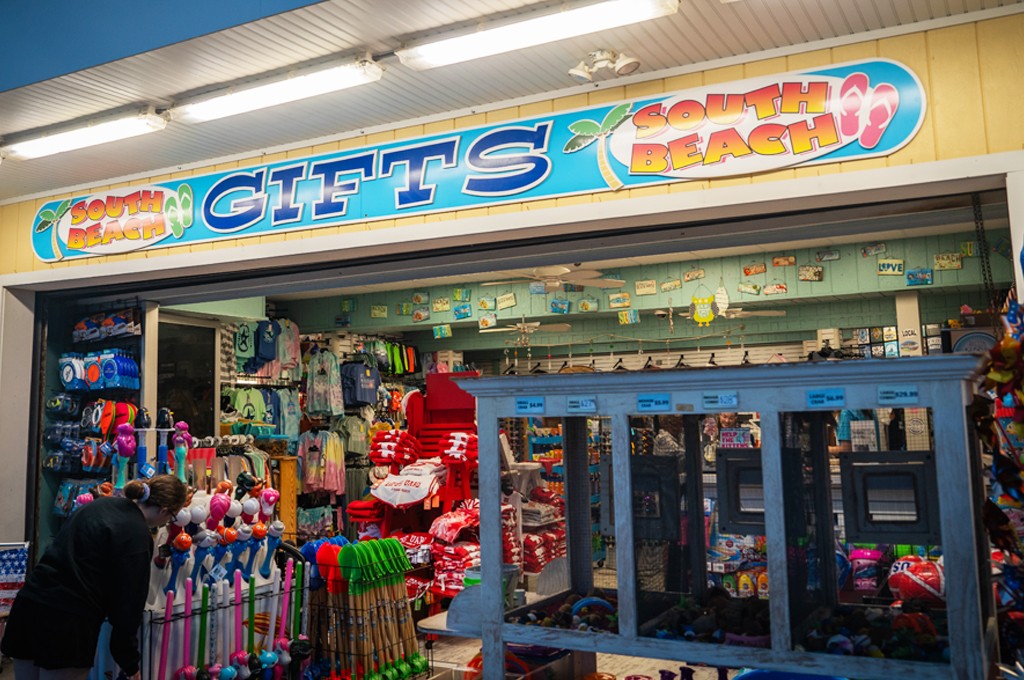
291	88
536	31
89	134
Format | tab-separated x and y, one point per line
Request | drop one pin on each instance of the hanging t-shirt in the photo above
250	404
359	383
273	403
356	433
267	333
291	414
289	346
245	343
324	388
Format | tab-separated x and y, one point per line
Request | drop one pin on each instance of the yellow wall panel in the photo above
649	88
805	60
723	75
409	132
438	126
608	95
774	176
955	96
502	115
684	187
25	259
8	235
765	67
912	51
575	101
536	109
684	82
1001	61
854	52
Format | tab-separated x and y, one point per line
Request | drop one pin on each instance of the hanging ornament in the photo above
722	297
703	308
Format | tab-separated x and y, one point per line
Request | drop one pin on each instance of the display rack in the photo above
941	384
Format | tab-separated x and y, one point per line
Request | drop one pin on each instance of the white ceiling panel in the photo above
702	30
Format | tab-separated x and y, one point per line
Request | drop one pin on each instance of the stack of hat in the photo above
395	448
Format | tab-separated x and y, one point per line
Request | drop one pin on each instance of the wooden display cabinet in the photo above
796	480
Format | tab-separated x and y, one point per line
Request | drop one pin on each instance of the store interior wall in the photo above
851	294
17	320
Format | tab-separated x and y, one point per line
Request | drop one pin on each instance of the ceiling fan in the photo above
733	313
529	327
555	277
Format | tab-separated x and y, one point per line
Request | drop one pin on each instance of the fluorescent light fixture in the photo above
293	87
89	134
536	31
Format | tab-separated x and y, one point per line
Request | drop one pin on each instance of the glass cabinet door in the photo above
866	574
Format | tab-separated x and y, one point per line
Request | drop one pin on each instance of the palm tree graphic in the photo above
587	131
49	218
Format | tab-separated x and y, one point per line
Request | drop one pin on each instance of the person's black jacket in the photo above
98	568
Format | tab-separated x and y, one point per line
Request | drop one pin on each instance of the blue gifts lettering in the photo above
501	162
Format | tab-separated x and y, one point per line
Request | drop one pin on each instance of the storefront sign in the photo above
741	128
653	403
581	404
529	406
833	397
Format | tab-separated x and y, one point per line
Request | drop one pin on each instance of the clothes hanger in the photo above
746	358
711	360
537	369
649	363
681	363
618	366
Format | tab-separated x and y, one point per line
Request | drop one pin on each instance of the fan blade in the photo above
552	285
548	272
600	283
503	283
554	327
577	274
739	313
499	330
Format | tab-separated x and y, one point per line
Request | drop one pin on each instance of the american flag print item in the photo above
13	563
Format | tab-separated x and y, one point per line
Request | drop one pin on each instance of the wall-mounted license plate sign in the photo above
834	397
890	395
529	406
581	404
654	403
721	399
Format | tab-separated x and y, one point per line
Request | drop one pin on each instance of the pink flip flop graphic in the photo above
853	95
885	100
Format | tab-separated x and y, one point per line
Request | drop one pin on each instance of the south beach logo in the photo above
116	221
768	123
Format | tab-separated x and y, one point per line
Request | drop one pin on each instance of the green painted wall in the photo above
242	308
851	295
